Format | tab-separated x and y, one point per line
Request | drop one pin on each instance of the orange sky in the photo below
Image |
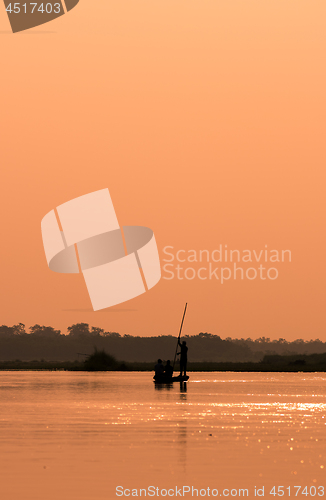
206	121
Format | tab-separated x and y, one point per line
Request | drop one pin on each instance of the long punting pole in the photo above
176	350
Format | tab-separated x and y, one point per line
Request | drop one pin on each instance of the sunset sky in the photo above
206	121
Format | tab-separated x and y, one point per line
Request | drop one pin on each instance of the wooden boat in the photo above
164	379
170	380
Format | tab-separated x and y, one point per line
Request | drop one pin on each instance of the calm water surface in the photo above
68	435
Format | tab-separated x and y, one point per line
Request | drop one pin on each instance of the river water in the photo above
66	435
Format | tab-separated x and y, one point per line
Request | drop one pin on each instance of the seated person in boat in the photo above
168	370
159	369
183	358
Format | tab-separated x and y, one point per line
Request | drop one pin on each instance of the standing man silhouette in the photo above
183	357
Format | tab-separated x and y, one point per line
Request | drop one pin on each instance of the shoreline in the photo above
295	366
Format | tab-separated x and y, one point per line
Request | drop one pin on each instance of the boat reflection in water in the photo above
159	386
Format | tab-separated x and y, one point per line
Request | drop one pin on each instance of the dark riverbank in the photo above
44	342
272	363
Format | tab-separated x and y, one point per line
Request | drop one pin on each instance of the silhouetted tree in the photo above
19	329
112	334
78	330
44	331
97	332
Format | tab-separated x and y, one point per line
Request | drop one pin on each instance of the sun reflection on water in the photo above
263	426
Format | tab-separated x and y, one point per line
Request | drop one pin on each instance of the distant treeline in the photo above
44	342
